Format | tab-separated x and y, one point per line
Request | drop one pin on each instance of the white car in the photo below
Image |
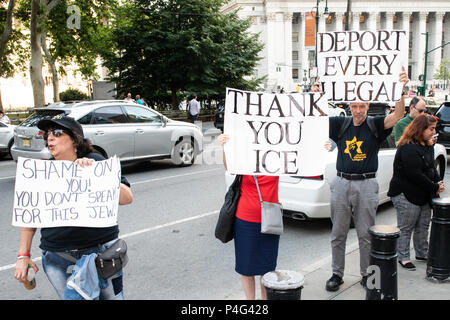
6	138
305	198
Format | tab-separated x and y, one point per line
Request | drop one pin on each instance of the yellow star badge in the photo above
354	149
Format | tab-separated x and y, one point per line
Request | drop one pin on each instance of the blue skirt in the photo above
256	253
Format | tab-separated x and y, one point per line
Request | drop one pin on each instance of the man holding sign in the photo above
64	226
359	67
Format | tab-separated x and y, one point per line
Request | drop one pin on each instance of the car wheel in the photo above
183	153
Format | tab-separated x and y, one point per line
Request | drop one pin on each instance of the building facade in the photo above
281	24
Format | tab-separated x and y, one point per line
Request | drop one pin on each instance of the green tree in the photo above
443	72
64	32
180	46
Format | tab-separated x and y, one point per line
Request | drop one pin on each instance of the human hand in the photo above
403	78
441	187
84	162
316	86
223	138
21	269
327	145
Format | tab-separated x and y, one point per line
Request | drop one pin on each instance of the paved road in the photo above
170	233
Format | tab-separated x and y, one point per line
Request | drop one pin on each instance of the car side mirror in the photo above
163	121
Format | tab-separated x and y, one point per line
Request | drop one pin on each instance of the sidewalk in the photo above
412	285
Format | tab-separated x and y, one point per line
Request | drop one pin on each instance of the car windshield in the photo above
39	115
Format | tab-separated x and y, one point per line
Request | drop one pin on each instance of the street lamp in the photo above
325	12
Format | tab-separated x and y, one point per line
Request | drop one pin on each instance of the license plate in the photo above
26	142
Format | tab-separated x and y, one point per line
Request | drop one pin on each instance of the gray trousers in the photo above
411	219
357	198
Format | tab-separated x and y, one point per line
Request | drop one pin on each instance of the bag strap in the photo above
257	186
67	256
370	123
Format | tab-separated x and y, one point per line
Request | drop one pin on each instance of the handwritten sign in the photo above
51	193
362	66
275	134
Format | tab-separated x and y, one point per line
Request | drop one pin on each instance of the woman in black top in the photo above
65	140
414	183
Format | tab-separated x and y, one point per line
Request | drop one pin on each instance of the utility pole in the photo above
424	80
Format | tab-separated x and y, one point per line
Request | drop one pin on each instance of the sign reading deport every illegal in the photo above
60	193
275	134
362	66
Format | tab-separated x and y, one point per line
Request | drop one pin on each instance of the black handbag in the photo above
225	224
112	260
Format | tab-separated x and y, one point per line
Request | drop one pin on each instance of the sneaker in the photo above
334	283
408	266
422	258
363	282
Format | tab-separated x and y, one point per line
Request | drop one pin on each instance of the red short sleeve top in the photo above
249	207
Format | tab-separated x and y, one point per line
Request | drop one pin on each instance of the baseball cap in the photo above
63	122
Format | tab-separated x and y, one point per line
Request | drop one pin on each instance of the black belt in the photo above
356	176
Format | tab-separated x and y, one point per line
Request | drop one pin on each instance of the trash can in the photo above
438	264
382	283
283	285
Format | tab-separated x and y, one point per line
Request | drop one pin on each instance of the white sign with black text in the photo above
51	193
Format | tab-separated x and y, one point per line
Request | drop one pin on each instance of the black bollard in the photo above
438	264
382	277
283	285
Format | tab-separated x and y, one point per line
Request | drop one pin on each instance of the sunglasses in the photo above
55	132
420	110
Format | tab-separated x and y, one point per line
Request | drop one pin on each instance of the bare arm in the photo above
26	238
222	139
399	111
126	196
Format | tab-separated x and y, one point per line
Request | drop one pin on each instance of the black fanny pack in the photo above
112	260
109	262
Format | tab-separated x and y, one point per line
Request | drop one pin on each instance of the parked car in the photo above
6	139
305	198
443	124
115	127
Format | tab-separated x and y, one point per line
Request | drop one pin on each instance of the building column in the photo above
390	20
354	21
322	23
272	69
405	26
372	20
287	81
446	27
302	52
437	41
339	25
420	47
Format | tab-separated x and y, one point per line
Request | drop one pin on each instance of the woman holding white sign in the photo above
65	139
256	253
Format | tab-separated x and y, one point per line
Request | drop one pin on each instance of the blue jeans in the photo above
58	271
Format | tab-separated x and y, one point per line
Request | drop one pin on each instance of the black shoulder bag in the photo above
225	224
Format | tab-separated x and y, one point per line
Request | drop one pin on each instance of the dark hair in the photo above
82	145
414	101
414	131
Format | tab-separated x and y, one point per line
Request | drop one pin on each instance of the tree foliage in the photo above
180	45
443	71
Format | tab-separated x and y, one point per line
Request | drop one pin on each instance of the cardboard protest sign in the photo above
275	134
50	193
362	66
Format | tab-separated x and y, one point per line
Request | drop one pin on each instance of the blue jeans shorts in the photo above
58	271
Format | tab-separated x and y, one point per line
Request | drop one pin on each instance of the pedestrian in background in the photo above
194	109
129	98
65	140
416	106
354	192
255	253
414	183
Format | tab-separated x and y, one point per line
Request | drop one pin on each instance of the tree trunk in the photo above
52	65
174	99
5	37
36	62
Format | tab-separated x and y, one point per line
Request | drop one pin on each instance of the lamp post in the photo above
424	80
317	23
